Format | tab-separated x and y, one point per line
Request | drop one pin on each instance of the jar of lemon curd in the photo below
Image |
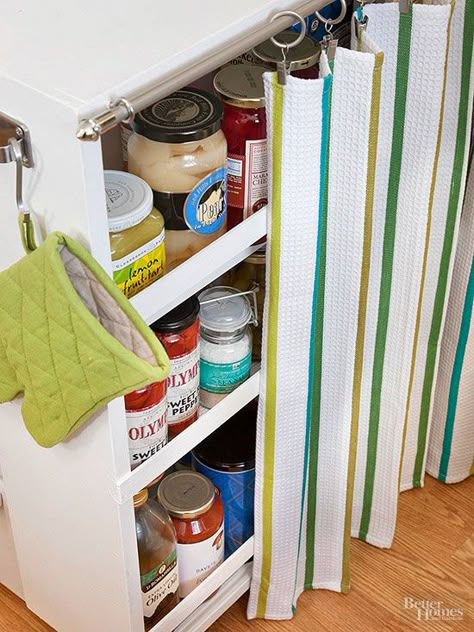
136	232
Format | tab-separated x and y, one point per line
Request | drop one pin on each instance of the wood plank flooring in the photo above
432	559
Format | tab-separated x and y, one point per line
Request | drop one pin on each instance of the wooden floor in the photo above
432	559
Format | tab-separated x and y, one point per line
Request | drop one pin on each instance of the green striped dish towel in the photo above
414	46
448	181
451	443
318	248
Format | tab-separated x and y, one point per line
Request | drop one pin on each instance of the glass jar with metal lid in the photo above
178	147
302	59
196	509
226	342
136	232
244	125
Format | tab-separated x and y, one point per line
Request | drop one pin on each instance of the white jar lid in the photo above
227	315
129	199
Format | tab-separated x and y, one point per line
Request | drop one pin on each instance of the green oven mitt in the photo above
69	339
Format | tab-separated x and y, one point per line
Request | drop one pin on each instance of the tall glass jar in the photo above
157	558
226	343
178	147
244	125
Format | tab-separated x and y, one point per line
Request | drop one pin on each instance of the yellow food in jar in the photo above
136	232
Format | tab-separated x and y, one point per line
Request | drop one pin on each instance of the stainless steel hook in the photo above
26	223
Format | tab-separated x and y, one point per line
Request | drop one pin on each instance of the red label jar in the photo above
244	125
145	410
196	509
179	333
302	59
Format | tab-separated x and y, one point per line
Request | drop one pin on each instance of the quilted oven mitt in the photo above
69	339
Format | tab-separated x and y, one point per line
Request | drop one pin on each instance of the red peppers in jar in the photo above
179	333
244	125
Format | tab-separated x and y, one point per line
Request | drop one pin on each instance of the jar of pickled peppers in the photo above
244	125
178	331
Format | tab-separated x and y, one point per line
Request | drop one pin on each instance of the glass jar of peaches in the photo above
178	147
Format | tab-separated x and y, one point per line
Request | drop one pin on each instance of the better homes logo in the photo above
427	610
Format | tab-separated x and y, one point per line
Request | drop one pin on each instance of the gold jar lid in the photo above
186	494
140	498
303	55
241	85
258	257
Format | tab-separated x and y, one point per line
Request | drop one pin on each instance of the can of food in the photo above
195	507
227	458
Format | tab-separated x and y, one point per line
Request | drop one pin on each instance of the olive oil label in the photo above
147	431
183	387
225	377
206	205
158	583
198	560
141	267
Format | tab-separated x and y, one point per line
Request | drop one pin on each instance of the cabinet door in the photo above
9	571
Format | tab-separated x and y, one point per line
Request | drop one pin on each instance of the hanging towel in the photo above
70	341
447	192
414	46
317	251
451	443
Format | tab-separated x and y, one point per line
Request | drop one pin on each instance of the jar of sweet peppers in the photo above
196	509
178	331
245	128
145	410
136	232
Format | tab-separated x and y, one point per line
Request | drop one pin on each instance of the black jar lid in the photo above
231	448
186	115
178	318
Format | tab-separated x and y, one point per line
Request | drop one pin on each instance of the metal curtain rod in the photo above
123	109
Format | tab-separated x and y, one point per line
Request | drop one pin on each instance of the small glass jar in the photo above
226	343
178	147
227	458
302	60
245	128
136	232
157	558
178	331
145	410
250	275
196	509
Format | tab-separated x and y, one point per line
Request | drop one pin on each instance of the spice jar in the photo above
178	331
136	232
227	458
157	558
195	506
302	59
244	125
226	343
250	275
178	147
145	410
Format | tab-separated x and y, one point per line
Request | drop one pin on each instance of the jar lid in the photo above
186	115
140	498
231	448
186	494
303	55
178	318
129	200
258	257
241	85
227	315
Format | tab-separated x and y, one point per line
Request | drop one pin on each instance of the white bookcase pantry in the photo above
67	530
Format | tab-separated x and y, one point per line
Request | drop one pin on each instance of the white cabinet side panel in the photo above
9	571
75	546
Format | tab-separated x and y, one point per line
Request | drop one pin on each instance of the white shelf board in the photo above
189	604
230	591
141	476
205	266
84	54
